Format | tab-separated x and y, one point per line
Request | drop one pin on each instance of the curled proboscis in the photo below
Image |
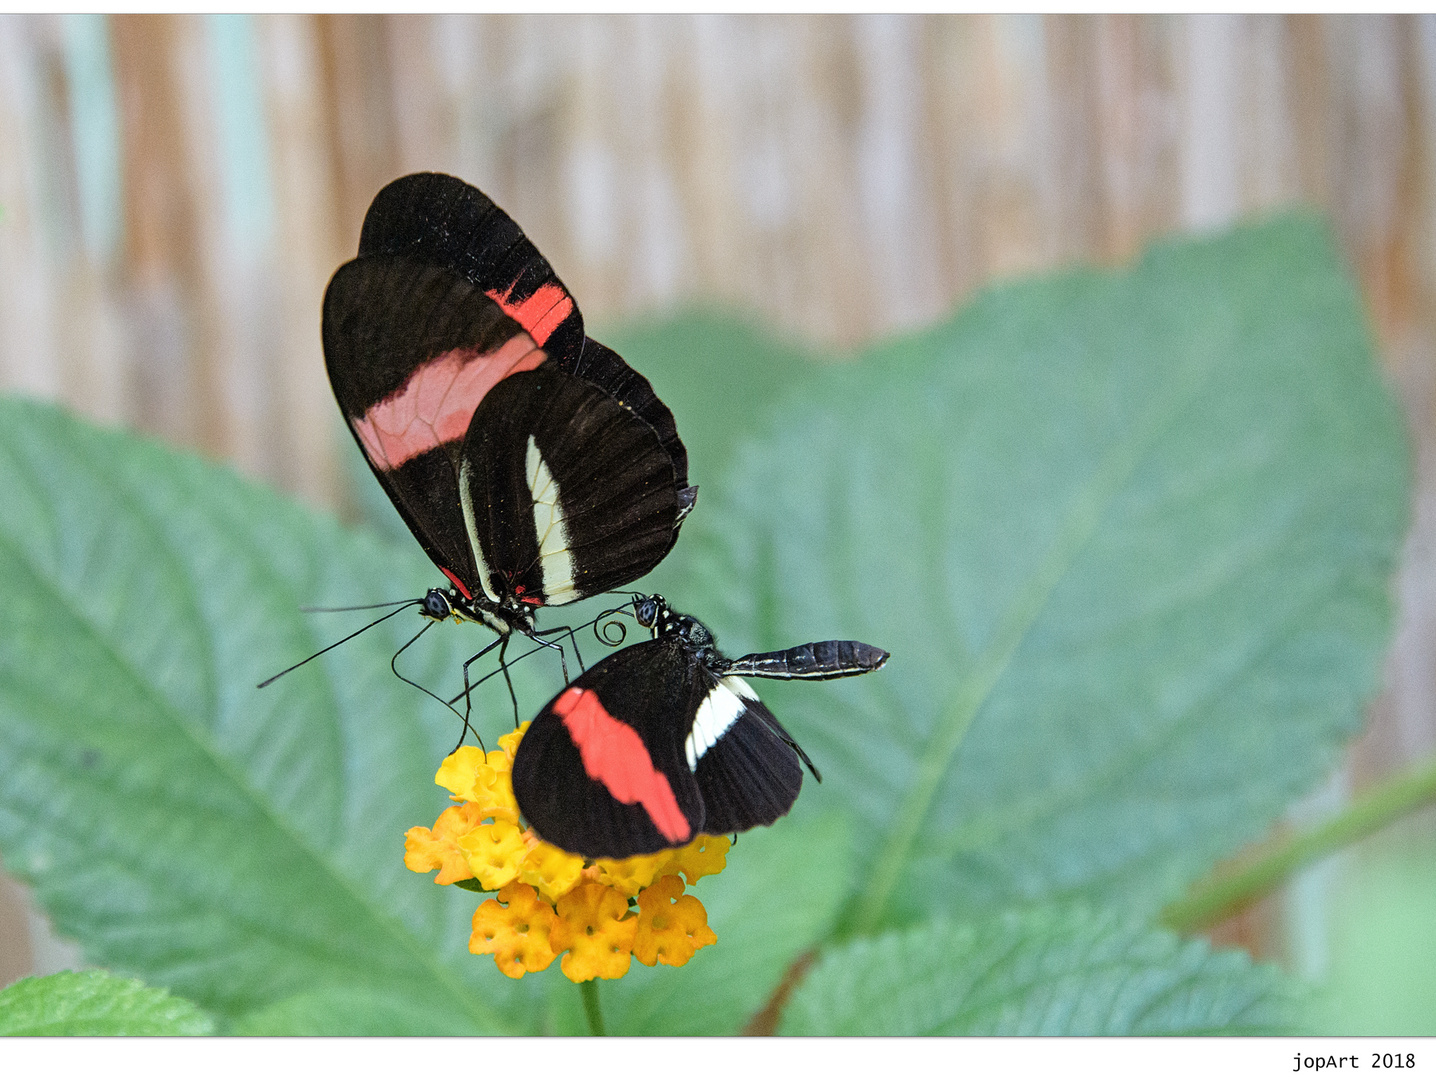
609	629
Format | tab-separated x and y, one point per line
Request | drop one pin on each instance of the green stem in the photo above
589	990
1228	893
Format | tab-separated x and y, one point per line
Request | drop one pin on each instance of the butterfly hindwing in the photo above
747	772
570	492
601	771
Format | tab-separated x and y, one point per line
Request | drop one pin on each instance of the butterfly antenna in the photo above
341	641
365	607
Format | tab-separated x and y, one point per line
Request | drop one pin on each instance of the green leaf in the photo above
95	1003
239	846
1043	972
1128	537
720	377
351	1011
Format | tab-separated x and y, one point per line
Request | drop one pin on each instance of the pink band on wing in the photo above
541	313
614	755
436	404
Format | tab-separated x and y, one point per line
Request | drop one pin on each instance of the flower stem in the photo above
1227	893
589	990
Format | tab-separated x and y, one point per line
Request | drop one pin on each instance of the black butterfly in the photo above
664	740
532	464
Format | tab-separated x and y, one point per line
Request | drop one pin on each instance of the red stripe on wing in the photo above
541	314
437	402
457	583
614	755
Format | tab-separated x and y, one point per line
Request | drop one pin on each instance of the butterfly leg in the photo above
468	686
503	647
537	637
573	640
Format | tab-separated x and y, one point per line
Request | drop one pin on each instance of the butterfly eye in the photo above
646	611
436	605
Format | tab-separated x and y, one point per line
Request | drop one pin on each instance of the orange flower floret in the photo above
551	870
494	852
671	926
517	928
597	931
438	849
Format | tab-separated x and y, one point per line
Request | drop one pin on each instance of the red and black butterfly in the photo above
664	740
533	465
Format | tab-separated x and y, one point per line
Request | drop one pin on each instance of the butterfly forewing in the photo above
720	752
568	482
411	351
441	221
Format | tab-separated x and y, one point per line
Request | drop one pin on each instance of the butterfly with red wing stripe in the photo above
664	740
532	464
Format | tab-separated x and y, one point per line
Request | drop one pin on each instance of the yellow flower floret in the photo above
517	928
509	743
702	856
597	931
438	849
671	926
551	870
549	902
494	852
482	779
630	875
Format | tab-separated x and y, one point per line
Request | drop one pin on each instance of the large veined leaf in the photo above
95	1003
1043	972
235	845
1128	537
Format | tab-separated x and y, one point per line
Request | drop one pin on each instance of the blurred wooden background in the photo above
175	192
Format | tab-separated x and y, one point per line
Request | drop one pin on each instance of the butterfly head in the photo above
436	605
654	613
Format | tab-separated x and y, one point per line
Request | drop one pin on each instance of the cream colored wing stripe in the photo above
718	712
468	503
555	562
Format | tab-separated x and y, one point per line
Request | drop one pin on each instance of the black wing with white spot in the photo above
565	491
745	763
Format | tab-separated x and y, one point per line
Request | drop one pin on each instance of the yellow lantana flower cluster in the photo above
550	902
